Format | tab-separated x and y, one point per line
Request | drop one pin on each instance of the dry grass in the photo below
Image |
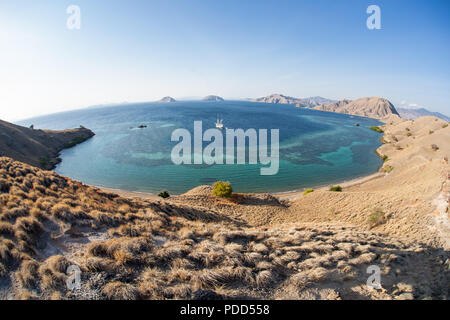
155	250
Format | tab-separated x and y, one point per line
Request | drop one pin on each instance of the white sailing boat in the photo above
219	123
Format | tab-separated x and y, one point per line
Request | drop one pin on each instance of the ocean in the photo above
316	148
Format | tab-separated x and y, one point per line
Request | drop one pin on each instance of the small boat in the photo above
219	124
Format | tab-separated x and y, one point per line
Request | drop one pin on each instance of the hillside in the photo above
39	148
139	249
374	107
299	102
411	114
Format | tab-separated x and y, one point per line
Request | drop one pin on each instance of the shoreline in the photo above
282	195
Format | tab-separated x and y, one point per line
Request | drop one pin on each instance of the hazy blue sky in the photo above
144	50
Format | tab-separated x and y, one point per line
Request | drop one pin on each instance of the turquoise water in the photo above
316	148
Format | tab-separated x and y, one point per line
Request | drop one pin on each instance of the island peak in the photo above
167	99
212	98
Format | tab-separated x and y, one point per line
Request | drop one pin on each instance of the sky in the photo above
135	51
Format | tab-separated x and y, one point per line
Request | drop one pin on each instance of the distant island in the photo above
299	102
412	114
212	98
167	99
373	107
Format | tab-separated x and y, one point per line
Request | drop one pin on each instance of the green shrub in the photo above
308	191
44	162
431	132
336	188
409	134
164	194
434	147
377	129
388	169
222	189
385	157
445	125
376	218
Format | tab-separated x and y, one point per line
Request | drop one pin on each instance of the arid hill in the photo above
374	107
139	249
39	148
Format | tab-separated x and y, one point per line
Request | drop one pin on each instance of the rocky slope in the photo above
374	107
299	102
39	148
167	99
212	98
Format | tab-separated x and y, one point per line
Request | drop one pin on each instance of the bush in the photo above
445	125
409	134
377	129
308	191
431	132
222	189
388	169
434	147
164	194
43	162
385	157
376	218
336	188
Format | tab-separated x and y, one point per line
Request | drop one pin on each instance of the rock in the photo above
405	296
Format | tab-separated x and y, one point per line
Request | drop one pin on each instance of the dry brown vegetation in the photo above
197	246
135	249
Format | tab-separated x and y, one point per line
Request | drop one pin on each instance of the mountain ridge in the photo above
299	102
371	107
412	114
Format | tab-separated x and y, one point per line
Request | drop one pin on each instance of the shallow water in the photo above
316	147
